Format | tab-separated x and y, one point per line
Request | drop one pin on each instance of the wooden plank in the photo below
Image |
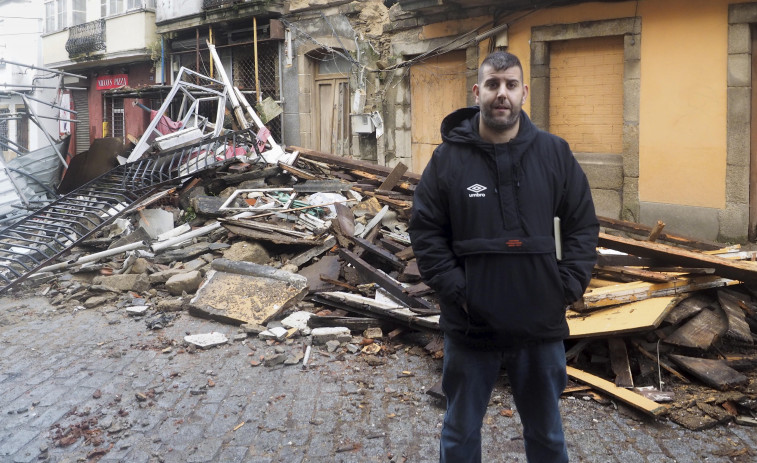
637	228
273	237
350	163
745	271
714	373
638	291
637	273
634	317
630	398
738	328
619	362
418	305
656	231
689	307
394	176
379	252
370	307
701	331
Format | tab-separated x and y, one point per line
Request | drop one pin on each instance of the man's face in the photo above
500	94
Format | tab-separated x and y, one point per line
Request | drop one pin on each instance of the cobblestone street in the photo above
98	385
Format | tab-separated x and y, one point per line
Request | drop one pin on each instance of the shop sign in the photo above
112	81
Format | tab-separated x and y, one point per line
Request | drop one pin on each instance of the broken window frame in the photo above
282	205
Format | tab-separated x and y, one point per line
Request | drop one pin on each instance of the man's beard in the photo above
499	125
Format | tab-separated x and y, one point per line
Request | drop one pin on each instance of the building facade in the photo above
113	43
21	24
655	97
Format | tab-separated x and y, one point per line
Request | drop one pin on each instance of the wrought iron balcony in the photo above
86	38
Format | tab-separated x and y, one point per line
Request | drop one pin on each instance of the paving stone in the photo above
336	400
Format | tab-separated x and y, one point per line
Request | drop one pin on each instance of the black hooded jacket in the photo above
482	232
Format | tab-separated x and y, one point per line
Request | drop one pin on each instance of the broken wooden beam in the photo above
394	177
737	270
373	308
714	373
738	328
418	305
701	331
619	362
630	398
351	163
639	229
623	293
378	252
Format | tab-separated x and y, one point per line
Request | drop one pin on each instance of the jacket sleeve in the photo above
580	232
431	238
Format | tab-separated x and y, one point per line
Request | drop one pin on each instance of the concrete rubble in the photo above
350	283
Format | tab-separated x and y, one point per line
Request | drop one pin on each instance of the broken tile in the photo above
206	340
278	333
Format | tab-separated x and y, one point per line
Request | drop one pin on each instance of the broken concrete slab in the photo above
126	282
277	333
243	292
330	333
298	320
264	271
187	282
206	340
164	275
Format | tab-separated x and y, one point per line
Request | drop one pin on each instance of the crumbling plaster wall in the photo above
355	27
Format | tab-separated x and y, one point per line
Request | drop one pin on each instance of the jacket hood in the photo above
461	126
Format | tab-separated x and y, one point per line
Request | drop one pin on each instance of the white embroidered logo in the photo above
476	190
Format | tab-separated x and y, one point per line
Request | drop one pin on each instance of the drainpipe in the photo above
162	61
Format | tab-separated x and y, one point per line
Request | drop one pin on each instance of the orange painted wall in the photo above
682	141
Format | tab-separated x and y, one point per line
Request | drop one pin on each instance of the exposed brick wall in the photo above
586	93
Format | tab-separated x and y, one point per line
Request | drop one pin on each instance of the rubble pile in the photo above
315	256
309	252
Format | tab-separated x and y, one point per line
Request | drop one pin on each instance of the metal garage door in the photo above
82	127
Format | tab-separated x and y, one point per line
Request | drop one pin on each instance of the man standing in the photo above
486	238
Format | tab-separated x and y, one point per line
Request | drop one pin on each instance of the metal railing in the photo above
86	38
51	232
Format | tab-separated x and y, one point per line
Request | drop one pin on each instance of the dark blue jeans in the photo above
537	377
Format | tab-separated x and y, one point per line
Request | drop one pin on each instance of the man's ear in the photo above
525	94
474	90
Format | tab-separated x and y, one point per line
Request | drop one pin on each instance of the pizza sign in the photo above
112	81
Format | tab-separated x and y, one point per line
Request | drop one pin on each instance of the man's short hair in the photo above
499	61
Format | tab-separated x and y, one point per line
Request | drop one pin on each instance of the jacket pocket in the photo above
517	295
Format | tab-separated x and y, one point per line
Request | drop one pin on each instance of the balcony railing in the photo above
86	38
208	4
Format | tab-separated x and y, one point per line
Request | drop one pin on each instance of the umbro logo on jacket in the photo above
476	191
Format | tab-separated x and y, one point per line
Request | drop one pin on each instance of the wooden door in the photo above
437	87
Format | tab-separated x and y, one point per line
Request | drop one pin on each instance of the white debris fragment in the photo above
205	340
